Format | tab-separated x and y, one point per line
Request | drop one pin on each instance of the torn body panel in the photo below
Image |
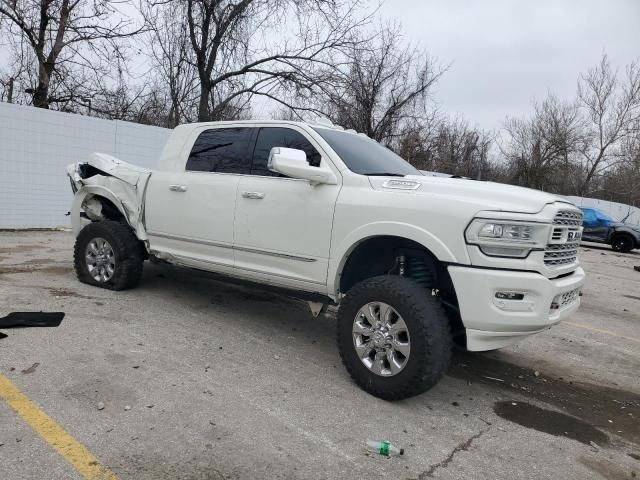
106	177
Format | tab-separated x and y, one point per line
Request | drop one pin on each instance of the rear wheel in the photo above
107	254
393	337
622	243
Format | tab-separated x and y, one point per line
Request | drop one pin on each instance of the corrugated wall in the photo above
35	147
619	211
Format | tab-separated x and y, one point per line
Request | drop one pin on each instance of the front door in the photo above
283	225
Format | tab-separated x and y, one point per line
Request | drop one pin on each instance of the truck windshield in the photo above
365	156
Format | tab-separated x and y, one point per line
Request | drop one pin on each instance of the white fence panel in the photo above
35	147
619	211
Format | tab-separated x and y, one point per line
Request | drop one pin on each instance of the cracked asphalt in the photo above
225	382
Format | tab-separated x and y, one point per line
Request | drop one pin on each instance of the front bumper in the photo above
492	323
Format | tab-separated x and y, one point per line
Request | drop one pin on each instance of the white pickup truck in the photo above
415	263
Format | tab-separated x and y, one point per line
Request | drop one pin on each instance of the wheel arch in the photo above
355	268
114	207
391	230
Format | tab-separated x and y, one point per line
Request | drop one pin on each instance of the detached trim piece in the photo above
231	247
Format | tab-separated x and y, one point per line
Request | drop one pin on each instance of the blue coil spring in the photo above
419	272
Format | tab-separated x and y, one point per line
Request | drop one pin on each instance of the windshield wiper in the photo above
384	174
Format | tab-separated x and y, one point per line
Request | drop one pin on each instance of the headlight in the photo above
507	239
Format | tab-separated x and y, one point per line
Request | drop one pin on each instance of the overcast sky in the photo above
502	54
505	53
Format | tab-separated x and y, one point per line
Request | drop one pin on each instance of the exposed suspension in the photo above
417	270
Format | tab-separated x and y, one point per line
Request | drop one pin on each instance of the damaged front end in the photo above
108	188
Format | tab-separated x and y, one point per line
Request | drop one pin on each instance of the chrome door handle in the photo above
254	195
178	188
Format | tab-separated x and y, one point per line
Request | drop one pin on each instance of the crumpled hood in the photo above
111	166
486	195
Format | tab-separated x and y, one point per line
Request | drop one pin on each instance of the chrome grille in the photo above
557	233
561	254
558	252
568	217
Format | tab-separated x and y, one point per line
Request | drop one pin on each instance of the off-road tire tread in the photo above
129	252
431	325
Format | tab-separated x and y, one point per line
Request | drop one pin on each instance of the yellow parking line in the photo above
52	433
606	332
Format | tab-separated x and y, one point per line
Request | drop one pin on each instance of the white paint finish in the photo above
293	163
36	145
292	233
294	218
203	212
476	289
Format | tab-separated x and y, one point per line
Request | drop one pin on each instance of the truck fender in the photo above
340	254
132	216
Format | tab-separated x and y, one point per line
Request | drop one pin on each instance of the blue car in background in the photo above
600	227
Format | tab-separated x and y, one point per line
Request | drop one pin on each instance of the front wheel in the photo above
622	243
393	337
107	254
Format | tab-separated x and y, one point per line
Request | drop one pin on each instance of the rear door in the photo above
190	214
283	225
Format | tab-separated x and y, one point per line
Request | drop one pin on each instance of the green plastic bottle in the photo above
384	447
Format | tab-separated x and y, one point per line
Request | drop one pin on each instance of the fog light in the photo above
509	295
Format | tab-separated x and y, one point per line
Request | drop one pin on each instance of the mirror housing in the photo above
293	163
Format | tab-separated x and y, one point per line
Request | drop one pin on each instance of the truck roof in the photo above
321	123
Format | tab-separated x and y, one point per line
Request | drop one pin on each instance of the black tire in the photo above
622	243
428	328
127	249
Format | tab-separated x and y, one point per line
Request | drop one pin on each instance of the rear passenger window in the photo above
223	150
270	137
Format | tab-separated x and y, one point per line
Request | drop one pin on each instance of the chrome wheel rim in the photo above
100	260
381	339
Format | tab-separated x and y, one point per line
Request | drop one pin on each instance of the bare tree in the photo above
462	150
451	146
540	149
18	68
621	183
243	49
65	36
172	67
383	90
612	110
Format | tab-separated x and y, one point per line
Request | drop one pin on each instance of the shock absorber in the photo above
418	270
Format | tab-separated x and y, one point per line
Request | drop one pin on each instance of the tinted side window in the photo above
270	137
222	150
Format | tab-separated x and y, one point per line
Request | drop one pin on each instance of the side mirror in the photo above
293	163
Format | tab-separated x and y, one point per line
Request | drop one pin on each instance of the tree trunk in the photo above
40	96
203	106
41	93
10	91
